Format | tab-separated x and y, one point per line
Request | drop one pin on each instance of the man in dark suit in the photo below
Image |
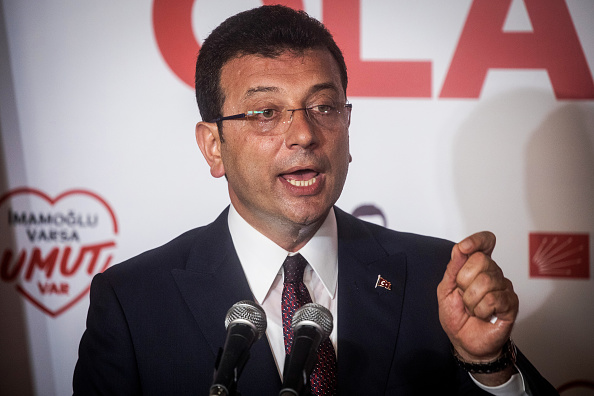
271	87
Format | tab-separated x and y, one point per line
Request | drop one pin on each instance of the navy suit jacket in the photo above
156	322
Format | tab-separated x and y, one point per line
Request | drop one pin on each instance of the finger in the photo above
476	264
480	242
502	304
479	290
448	283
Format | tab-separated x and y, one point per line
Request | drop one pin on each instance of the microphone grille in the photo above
316	315
247	312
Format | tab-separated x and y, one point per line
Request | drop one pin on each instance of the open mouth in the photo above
301	178
302	183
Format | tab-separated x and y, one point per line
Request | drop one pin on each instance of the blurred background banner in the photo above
467	115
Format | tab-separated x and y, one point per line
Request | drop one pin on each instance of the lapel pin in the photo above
381	282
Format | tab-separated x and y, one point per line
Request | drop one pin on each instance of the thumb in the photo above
480	242
457	261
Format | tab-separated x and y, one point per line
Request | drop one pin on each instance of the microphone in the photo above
312	324
245	323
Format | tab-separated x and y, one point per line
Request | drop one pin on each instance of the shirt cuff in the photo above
513	387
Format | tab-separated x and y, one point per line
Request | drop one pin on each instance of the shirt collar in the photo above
262	259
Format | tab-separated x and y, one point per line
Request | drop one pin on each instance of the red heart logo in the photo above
52	247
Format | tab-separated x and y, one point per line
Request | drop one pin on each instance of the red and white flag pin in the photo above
381	282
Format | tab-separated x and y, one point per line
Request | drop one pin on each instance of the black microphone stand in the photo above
219	390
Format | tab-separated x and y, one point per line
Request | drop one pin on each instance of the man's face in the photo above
291	178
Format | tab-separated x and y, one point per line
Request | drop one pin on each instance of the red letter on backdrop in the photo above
390	79
172	22
553	45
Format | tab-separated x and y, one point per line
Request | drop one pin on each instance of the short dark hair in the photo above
267	31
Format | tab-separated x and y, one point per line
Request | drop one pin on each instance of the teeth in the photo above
302	183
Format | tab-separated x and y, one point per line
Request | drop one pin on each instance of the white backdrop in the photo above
99	158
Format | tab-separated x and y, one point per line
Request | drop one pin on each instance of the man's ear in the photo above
208	139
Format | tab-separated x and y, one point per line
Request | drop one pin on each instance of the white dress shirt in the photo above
262	261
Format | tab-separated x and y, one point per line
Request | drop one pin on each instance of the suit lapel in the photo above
211	283
366	340
368	316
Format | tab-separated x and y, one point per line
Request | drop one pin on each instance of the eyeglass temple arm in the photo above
233	117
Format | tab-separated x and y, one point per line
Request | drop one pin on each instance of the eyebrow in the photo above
314	89
323	86
253	91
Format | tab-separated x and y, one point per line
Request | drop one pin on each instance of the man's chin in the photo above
308	217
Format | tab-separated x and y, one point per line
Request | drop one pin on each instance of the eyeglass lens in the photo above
271	123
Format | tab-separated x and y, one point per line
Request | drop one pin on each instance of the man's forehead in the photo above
288	55
263	89
251	75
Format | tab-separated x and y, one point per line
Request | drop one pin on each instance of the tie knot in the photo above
294	267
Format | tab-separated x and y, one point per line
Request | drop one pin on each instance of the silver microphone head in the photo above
247	312
316	315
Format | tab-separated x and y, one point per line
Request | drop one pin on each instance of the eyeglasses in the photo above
276	121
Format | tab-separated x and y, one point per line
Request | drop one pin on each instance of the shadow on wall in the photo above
15	367
559	179
525	162
559	171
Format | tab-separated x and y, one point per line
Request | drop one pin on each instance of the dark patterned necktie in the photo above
295	294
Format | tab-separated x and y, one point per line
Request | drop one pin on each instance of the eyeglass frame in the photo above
247	114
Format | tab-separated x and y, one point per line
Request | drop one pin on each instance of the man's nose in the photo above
301	131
